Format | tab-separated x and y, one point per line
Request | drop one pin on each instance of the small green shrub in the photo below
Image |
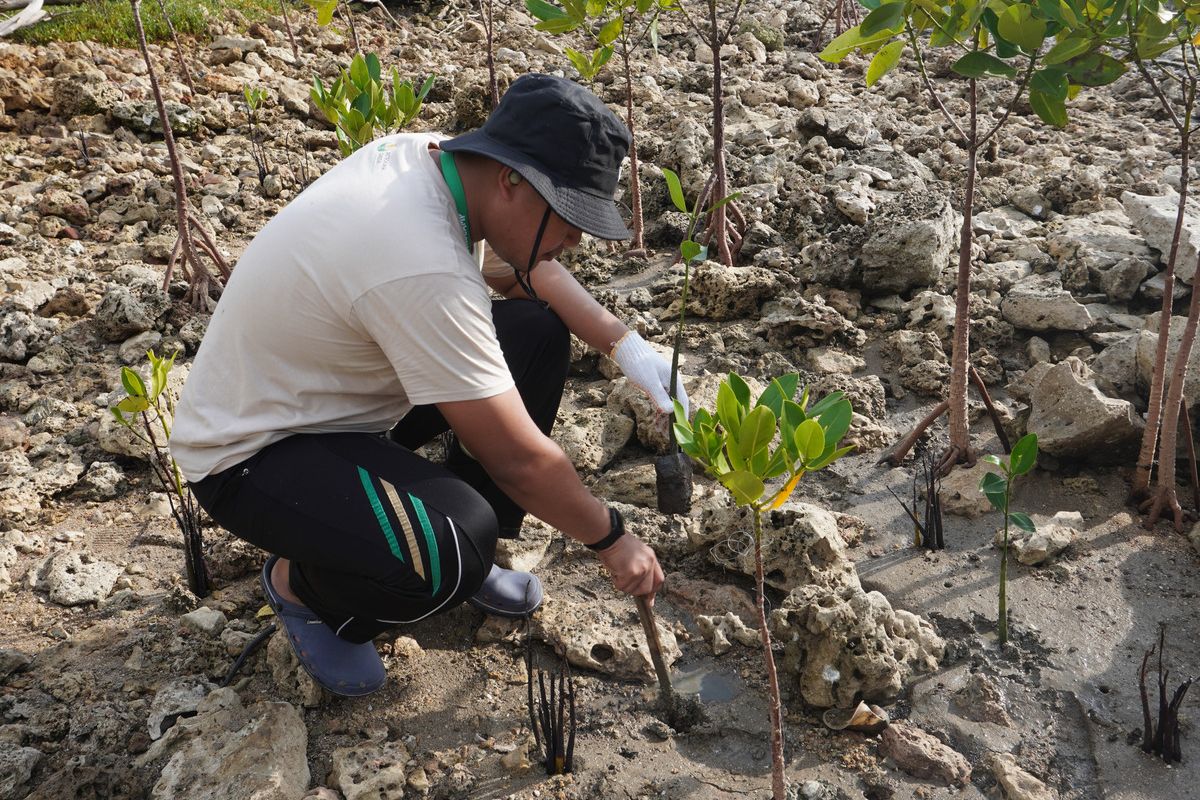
362	107
148	412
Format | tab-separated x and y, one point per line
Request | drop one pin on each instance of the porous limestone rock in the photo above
1073	419
1016	782
370	771
633	484
1099	252
923	756
797	323
1154	216
960	492
592	437
1040	303
800	542
845	645
1052	536
228	751
720	631
919	360
72	579
23	335
16	767
178	698
720	292
1147	343
597	637
910	240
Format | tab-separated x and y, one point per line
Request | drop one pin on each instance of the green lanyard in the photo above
450	173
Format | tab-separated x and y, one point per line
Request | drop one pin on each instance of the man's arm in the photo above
531	469
578	310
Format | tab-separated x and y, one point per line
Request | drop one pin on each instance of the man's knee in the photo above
530	321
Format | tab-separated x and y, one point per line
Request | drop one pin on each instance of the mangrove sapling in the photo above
1001	40
726	225
612	26
734	446
361	106
1163	738
673	471
201	291
998	490
487	16
187	75
254	97
287	25
148	413
1150	37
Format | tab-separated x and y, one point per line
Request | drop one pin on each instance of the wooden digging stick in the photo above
665	693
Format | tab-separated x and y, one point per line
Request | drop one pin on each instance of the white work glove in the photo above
647	369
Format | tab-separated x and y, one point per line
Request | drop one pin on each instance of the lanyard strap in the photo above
450	174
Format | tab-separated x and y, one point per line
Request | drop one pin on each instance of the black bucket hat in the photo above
565	142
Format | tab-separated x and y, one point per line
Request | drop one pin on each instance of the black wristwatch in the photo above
616	529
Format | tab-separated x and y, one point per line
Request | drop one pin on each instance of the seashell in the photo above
862	719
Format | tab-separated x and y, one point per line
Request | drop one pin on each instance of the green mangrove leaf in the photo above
132	382
741	390
756	433
745	488
884	61
1024	454
675	189
1022	521
977	63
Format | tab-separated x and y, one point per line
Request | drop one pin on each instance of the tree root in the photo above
1165	497
953	455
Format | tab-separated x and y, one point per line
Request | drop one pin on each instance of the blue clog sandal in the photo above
342	667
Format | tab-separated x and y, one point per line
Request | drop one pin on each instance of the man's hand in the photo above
649	371
633	566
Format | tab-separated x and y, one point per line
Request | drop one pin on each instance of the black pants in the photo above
378	536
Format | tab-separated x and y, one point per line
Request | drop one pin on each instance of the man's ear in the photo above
508	179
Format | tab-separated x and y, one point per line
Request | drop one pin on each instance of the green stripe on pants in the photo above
435	566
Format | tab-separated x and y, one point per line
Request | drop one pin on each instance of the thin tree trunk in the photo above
344	10
778	785
960	431
1003	615
1165	495
200	281
719	222
187	75
485	11
635	188
287	24
1145	462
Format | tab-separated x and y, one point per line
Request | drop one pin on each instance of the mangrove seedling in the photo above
997	42
201	292
147	412
361	106
715	26
1162	738
734	446
673	471
997	487
254	97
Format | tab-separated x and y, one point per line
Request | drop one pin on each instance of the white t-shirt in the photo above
356	302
